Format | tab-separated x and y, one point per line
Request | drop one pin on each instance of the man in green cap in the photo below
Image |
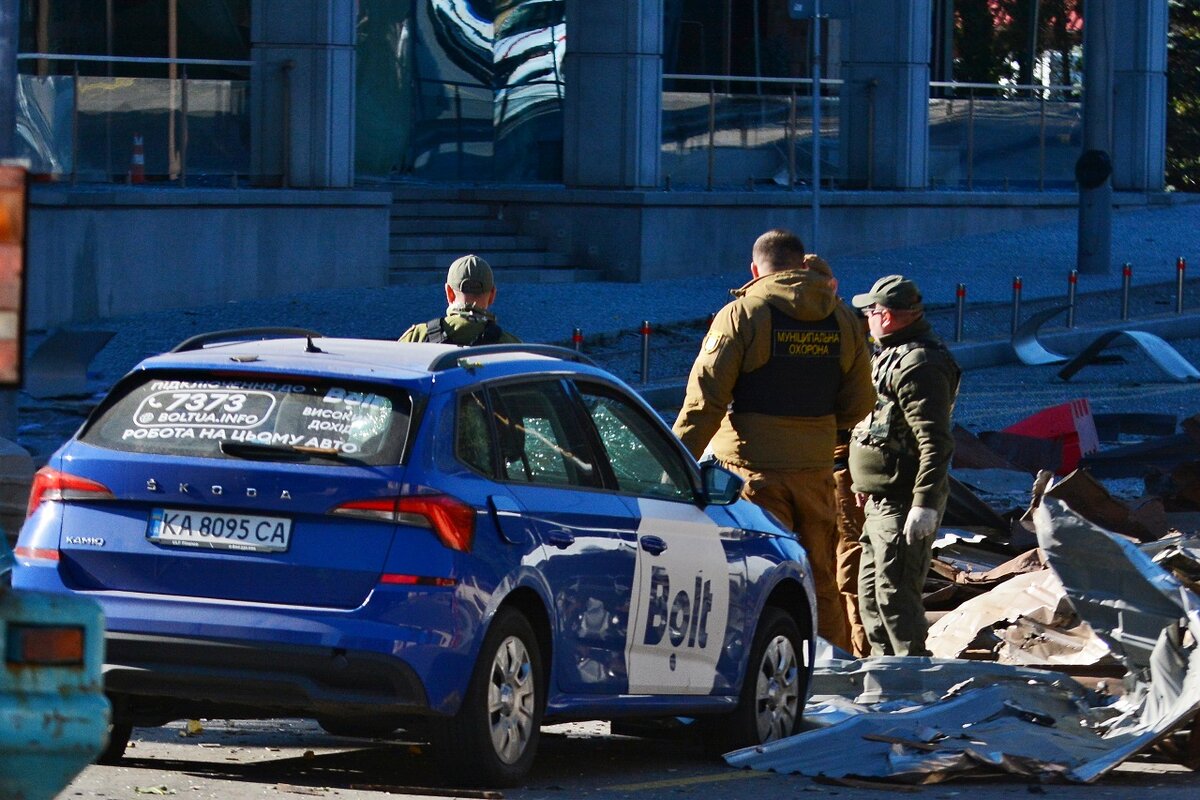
900	462
470	289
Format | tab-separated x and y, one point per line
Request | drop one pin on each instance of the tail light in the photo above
44	645
53	484
452	520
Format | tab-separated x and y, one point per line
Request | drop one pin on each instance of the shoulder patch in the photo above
712	342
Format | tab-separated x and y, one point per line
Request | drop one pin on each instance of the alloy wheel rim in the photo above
777	697
511	696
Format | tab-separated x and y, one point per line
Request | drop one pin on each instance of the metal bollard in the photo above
1072	281
960	297
1180	269
1126	279
645	352
577	339
1016	303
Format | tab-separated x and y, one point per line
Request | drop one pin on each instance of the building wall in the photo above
96	253
645	236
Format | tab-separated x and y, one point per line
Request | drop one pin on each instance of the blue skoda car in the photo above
367	533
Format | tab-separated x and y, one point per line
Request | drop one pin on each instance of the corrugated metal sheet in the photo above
926	720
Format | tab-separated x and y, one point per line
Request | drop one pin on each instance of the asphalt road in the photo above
295	759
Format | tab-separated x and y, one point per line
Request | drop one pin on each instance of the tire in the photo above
493	738
771	702
118	737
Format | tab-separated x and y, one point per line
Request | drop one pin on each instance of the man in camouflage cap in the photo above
900	461
783	367
470	290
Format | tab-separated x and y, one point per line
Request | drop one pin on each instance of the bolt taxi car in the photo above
363	532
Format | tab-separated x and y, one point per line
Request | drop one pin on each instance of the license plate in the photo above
188	528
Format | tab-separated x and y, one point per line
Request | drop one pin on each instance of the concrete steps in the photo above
413	277
464	242
427	234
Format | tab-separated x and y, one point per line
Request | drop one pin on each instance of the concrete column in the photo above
886	65
612	103
302	92
1139	137
1093	170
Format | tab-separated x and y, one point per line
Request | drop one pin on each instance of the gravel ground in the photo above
610	313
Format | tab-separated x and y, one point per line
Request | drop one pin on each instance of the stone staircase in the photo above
429	233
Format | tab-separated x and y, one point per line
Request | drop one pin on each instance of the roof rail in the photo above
198	341
454	358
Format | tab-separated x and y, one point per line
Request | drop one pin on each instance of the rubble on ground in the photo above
1065	620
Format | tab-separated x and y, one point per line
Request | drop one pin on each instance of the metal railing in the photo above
1003	136
89	126
715	136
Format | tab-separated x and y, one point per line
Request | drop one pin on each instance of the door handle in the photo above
652	545
560	538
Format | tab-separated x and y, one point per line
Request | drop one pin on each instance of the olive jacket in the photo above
462	326
902	450
741	341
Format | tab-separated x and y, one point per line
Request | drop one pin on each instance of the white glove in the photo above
921	524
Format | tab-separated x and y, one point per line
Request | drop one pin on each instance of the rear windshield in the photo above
284	419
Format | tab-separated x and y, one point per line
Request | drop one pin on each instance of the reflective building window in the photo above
111	91
461	90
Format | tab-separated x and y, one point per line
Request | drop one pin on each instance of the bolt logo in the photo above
687	616
680	609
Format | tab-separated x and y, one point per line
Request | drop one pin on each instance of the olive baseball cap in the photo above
470	275
891	291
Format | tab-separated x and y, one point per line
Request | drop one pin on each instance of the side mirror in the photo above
721	487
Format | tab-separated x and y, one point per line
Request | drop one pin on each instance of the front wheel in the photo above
771	702
493	738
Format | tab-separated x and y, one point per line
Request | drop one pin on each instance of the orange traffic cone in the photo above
137	163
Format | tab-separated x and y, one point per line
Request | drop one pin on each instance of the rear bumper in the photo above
174	676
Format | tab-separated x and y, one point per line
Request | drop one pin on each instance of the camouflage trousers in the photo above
890	580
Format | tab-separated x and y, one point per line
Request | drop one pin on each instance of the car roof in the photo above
375	359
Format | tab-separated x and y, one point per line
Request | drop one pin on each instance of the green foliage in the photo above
1183	96
975	48
993	43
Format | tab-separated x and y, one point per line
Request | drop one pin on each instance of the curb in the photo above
978	355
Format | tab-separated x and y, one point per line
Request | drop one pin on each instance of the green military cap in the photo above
891	291
470	275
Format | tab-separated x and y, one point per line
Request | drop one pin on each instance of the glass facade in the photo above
461	90
472	91
99	76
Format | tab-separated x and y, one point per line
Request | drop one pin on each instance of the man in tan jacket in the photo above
782	369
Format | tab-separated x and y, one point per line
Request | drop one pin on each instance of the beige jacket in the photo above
739	342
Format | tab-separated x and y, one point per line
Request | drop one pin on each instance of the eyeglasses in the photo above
871	311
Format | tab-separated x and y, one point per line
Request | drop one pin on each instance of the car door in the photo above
552	470
689	580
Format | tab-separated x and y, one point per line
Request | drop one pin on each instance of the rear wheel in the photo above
772	699
119	732
493	738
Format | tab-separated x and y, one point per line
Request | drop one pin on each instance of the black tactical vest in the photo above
803	375
436	333
884	427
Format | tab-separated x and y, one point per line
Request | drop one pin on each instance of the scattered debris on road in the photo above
1065	632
